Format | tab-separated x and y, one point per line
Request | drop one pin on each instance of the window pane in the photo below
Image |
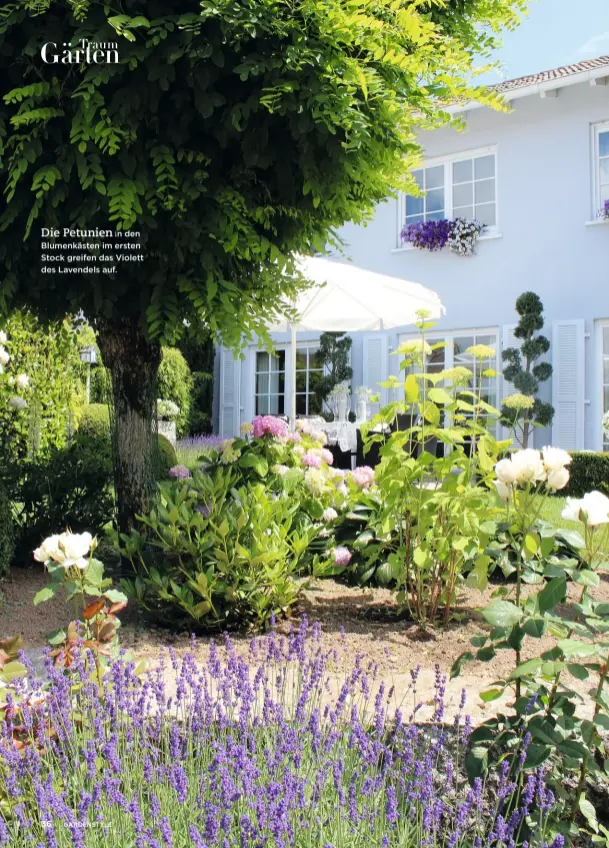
484	167
435	200
414	205
262	405
605	170
301	358
278	361
435	216
606	370
462	171
262	361
274	405
485	191
315	358
418	176
262	384
464	212
460	345
603	143
434	177
314	405
414	218
315	378
604	193
301	381
301	404
274	383
463	195
486	214
606	340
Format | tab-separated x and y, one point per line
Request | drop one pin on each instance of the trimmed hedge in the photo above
167	456
175	383
588	471
94	420
7	533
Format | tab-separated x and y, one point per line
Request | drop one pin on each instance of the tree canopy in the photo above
229	135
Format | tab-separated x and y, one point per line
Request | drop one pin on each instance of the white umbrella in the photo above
347	299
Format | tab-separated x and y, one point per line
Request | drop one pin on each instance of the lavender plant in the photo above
256	750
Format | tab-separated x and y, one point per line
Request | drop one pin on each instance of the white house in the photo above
536	176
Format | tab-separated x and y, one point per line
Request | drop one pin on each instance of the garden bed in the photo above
361	621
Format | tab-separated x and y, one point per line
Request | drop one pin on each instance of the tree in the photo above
334	350
230	136
525	373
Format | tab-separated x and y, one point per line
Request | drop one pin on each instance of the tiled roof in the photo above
554	74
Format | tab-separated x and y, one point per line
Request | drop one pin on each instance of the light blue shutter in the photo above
230	369
375	367
568	384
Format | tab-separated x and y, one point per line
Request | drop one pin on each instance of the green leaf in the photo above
439	395
531	543
45	594
11	671
94	572
526	668
580	672
502	614
552	593
411	389
588	812
573	648
56	637
491	695
455	671
115	597
585	577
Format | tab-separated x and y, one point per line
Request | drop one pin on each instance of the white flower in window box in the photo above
463	236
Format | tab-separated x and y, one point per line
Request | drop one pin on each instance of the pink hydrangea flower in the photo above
327	457
342	556
294	436
363	476
268	424
313	460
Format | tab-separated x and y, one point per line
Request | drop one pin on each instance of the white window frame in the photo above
597	129
447	161
309	347
280	349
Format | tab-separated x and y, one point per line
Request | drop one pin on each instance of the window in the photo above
601	165
270	383
309	372
454	353
463	186
605	355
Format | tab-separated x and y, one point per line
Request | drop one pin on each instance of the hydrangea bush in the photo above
254	750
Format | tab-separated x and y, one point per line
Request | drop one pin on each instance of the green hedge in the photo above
7	533
167	456
588	472
175	383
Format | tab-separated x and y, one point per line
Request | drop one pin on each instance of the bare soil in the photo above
362	621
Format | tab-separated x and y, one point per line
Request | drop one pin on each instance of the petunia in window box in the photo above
460	235
604	212
463	236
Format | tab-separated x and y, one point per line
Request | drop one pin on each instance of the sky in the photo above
555	33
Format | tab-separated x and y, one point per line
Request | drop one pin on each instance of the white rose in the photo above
506	472
557	479
529	466
503	489
3	337
329	514
47	550
4	357
17	402
22	381
555	458
592	509
72	549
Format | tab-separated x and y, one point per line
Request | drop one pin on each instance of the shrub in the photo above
242	751
588	472
175	384
167	456
71	487
94	420
7	535
217	555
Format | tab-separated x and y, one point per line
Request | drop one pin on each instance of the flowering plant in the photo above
364	393
604	212
340	390
460	235
230	754
167	410
606	425
463	236
11	387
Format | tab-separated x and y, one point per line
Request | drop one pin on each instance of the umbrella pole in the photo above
292	377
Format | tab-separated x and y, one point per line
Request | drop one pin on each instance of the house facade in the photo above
537	177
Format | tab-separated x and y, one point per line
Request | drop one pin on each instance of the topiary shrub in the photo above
588	472
167	457
7	533
94	420
175	383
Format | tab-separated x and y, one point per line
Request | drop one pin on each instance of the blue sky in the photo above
555	32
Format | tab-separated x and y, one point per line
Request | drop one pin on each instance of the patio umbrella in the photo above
347	299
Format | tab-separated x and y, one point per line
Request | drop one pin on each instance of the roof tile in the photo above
554	74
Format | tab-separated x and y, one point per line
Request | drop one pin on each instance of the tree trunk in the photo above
133	362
